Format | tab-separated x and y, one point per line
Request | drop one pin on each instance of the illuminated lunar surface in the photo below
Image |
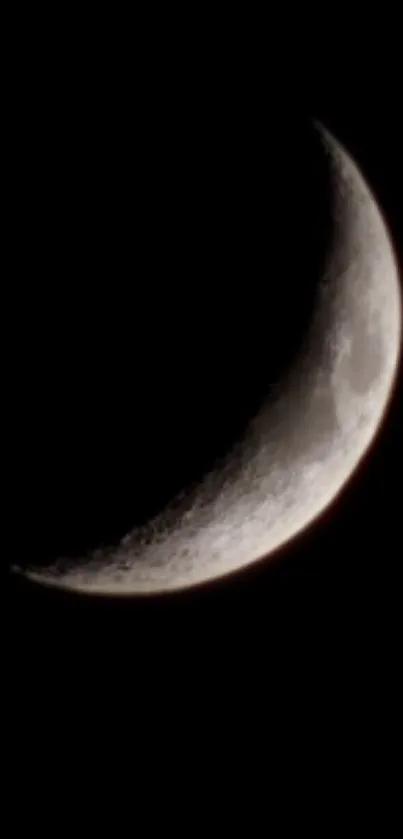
302	447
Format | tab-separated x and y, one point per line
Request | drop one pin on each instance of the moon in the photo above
305	442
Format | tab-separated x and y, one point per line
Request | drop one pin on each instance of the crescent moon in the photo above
303	446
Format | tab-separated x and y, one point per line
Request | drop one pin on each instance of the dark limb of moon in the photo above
288	427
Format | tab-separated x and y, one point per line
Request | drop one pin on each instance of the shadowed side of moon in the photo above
308	418
157	326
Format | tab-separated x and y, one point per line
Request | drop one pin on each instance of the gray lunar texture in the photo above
302	447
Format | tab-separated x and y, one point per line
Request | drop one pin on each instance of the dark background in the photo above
337	585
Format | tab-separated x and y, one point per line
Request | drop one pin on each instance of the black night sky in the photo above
338	581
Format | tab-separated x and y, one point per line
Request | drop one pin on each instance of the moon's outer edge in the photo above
251	508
